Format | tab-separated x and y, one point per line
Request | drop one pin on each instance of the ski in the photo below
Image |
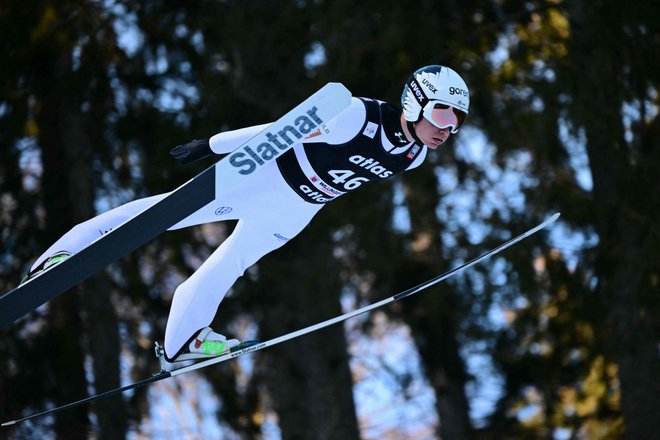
252	346
305	119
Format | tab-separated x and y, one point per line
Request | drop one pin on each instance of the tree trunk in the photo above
626	204
66	358
433	317
69	199
309	379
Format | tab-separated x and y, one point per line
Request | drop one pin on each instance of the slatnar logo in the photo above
248	159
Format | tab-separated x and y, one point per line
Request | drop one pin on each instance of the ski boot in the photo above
206	344
48	263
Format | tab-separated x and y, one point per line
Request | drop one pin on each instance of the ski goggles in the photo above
444	116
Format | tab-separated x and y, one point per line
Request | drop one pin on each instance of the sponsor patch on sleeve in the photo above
413	151
370	130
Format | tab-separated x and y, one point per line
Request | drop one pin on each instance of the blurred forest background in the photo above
558	338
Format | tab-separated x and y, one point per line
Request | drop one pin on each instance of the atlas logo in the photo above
458	91
249	159
314	195
372	165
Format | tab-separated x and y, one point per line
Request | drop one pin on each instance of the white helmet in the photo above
439	94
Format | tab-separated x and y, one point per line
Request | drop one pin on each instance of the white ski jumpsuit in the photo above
365	142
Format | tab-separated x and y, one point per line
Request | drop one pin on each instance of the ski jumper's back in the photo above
320	172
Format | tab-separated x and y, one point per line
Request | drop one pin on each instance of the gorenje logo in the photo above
458	91
249	159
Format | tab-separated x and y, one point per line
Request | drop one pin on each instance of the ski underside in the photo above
252	346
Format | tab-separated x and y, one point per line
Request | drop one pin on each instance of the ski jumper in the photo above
365	142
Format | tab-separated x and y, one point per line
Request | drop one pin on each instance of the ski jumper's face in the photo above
431	135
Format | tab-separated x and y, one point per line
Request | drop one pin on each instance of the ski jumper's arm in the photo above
342	129
228	141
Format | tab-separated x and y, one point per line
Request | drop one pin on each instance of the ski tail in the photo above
155	378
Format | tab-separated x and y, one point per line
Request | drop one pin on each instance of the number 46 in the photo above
344	177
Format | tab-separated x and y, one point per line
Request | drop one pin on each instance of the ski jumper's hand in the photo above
192	151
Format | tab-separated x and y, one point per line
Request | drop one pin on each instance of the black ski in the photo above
252	346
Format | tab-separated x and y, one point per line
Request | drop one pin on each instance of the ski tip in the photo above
541	225
554	217
243	346
9	423
546	222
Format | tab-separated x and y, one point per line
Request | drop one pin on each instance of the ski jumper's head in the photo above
435	96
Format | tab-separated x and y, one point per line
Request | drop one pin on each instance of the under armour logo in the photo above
399	136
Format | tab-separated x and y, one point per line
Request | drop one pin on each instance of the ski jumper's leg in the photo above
269	214
83	234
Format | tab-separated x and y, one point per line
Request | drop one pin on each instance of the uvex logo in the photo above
248	158
416	91
458	91
430	86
